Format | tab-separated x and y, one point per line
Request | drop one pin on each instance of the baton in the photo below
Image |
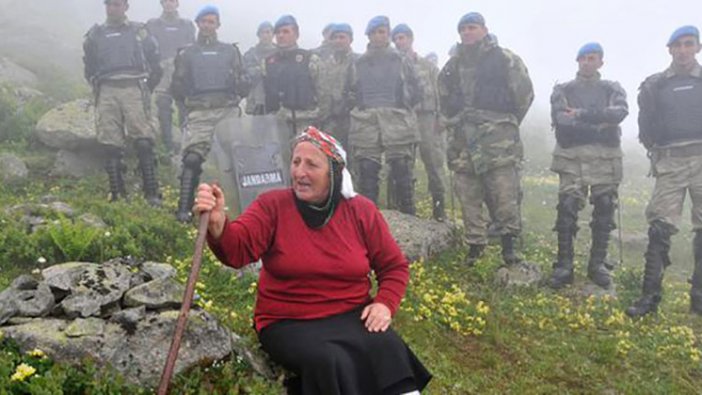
185	307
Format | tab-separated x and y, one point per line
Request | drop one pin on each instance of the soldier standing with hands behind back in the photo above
122	65
586	114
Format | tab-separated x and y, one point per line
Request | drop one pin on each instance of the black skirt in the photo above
338	356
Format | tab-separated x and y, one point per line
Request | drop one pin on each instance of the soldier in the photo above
484	93
254	60
333	108
122	65
670	127
431	146
586	113
291	78
209	79
326	48
383	90
171	33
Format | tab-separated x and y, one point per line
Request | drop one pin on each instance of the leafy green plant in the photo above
72	238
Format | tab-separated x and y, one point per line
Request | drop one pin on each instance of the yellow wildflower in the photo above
37	353
22	372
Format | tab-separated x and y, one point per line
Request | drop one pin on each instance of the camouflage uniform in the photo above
254	61
209	79
333	107
291	83
432	145
122	65
588	160
386	126
670	128
484	93
172	33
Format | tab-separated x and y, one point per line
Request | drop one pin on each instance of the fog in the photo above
545	33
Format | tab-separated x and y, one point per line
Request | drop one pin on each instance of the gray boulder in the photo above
25	297
69	126
417	237
65	276
158	271
98	287
156	294
92	220
77	164
523	274
12	168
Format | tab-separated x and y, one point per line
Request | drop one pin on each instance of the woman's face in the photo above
309	171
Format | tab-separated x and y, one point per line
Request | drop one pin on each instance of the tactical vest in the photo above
379	81
492	91
288	82
171	35
594	96
679	104
118	50
209	69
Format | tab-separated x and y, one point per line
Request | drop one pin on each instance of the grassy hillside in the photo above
474	337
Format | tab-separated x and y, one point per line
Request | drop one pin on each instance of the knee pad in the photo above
568	207
143	145
603	212
192	160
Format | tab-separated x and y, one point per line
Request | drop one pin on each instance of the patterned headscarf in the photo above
332	149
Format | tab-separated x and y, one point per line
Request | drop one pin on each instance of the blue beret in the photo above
402	28
376	22
341	28
285	20
207	10
263	26
590	48
688	30
471	17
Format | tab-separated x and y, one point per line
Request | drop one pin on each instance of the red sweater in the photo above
314	273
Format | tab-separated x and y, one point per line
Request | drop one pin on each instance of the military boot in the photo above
602	224
475	251
696	280
657	259
509	255
563	267
147	165
369	177
566	228
438	208
115	169
189	178
401	173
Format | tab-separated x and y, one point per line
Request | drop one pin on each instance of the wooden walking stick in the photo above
185	308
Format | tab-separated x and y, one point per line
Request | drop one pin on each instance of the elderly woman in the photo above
319	242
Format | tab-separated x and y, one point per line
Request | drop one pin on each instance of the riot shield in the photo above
253	153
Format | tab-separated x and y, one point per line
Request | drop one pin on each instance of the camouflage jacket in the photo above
482	139
391	125
178	84
649	117
333	71
427	77
588	111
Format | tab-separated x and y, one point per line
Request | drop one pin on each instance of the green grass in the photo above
473	336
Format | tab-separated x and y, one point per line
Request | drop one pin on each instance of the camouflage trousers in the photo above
200	127
675	177
587	170
164	102
123	113
499	190
339	127
432	151
298	123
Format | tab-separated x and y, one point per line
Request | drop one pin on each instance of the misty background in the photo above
46	36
